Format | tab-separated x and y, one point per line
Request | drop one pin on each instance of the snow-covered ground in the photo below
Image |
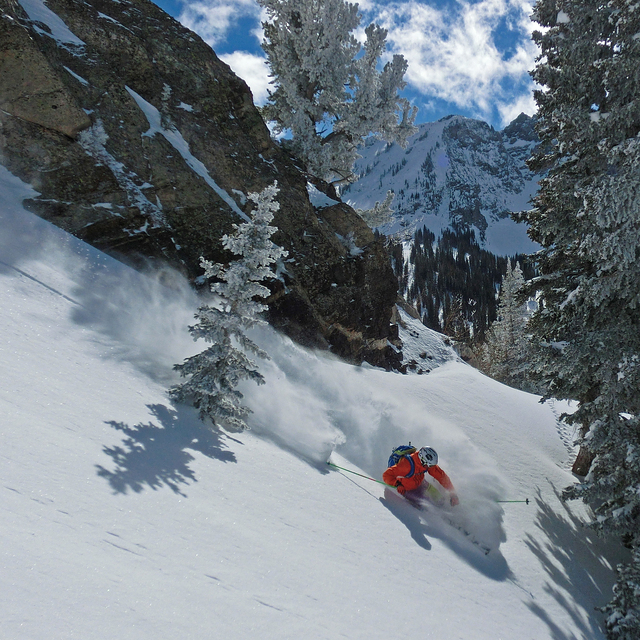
123	516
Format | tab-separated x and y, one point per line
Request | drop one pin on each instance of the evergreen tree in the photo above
505	348
453	281
329	93
587	218
216	371
622	620
380	213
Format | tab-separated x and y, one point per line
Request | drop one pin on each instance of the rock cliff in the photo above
143	143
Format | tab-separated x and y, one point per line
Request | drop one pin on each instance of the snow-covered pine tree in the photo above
622	620
380	213
587	218
504	352
215	372
329	93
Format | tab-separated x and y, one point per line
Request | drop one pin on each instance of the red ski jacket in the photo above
399	471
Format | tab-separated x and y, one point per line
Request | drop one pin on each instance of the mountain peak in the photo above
522	128
456	172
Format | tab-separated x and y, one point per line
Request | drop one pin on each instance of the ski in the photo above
428	502
469	536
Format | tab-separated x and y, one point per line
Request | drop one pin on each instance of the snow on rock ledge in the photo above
154	182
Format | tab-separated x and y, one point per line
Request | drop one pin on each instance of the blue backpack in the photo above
403	451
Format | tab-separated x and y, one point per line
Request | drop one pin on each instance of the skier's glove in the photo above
454	500
400	488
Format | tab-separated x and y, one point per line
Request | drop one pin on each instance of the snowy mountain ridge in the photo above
455	171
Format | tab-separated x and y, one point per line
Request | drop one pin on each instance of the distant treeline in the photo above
452	281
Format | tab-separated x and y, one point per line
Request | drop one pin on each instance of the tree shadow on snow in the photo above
422	525
574	560
156	455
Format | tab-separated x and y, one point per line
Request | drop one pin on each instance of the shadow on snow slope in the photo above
572	551
156	455
423	526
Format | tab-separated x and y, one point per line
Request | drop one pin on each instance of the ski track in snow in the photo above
125	516
567	433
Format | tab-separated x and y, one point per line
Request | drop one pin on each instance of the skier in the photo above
408	473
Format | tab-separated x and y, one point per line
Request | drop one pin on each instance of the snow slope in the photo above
123	516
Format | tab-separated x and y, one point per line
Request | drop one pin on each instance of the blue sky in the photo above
468	57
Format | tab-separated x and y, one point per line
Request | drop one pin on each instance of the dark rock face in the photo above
144	144
522	128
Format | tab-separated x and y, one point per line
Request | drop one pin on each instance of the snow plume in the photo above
317	403
144	317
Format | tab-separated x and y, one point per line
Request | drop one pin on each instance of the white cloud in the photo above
453	55
213	19
509	110
253	70
453	51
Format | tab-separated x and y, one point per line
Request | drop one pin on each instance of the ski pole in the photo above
355	473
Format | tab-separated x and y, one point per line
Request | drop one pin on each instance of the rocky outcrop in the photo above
30	89
143	143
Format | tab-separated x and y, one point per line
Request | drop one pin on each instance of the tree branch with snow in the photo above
329	92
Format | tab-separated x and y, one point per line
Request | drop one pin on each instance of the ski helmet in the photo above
428	456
